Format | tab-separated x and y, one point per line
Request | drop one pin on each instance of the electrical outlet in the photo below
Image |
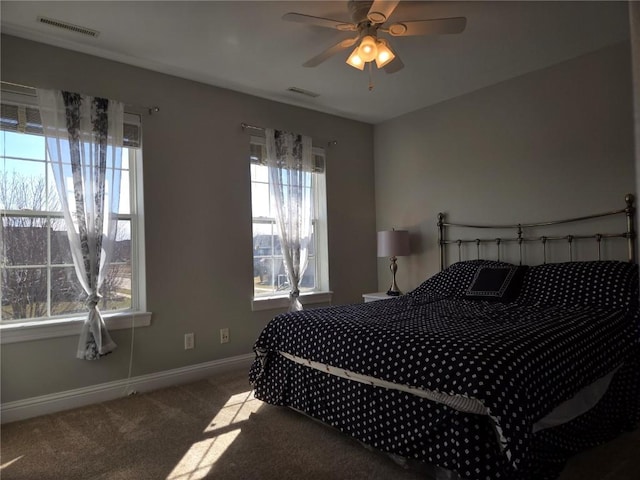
224	335
188	341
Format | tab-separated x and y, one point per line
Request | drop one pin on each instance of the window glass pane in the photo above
67	295
281	282
23	185
269	272
60	250
272	277
259	173
263	281
262	245
308	281
125	157
260	199
268	267
24	293
23	168
312	242
22	145
273	209
116	288
262	248
24	240
122	248
38	279
53	200
124	206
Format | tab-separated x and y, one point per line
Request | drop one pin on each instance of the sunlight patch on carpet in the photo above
237	409
198	461
202	455
10	462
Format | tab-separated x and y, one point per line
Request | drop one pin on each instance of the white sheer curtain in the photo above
290	162
84	143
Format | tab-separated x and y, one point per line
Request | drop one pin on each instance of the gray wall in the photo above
555	143
634	20
198	217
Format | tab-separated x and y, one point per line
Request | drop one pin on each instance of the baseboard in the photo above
79	397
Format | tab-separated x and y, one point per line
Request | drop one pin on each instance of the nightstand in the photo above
372	297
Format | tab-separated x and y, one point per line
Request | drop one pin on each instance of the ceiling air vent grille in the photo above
303	92
69	26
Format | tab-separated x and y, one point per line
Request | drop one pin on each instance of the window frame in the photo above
20	330
321	294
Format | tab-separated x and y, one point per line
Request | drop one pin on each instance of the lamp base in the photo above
393	291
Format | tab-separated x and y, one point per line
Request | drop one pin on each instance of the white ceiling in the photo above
246	46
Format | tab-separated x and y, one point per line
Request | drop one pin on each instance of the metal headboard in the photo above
520	234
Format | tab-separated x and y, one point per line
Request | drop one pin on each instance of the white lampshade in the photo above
368	48
393	243
355	61
385	55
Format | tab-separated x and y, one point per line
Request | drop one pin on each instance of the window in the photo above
269	277
38	282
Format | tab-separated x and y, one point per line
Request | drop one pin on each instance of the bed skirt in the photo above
418	429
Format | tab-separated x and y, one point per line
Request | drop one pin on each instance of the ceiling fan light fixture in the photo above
368	49
355	60
385	55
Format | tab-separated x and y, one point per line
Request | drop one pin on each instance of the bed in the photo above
487	370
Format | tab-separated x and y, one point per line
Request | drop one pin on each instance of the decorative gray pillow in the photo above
496	283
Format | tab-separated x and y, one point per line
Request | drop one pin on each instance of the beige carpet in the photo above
215	429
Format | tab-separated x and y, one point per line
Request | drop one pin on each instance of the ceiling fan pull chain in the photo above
370	77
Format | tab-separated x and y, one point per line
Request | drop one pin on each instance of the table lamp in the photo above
392	244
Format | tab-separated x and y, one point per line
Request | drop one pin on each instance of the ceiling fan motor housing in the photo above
366	29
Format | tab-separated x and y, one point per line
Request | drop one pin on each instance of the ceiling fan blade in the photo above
318	59
427	27
320	22
394	66
381	10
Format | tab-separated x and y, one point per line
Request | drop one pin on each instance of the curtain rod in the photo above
150	110
246	126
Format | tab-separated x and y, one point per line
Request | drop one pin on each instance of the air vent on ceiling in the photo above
69	26
303	92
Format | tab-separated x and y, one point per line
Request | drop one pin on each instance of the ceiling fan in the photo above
369	20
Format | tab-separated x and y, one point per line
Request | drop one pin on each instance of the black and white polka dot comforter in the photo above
570	325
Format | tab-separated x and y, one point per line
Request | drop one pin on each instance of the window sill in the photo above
65	327
279	302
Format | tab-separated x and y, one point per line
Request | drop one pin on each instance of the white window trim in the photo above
43	328
322	294
68	326
282	301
